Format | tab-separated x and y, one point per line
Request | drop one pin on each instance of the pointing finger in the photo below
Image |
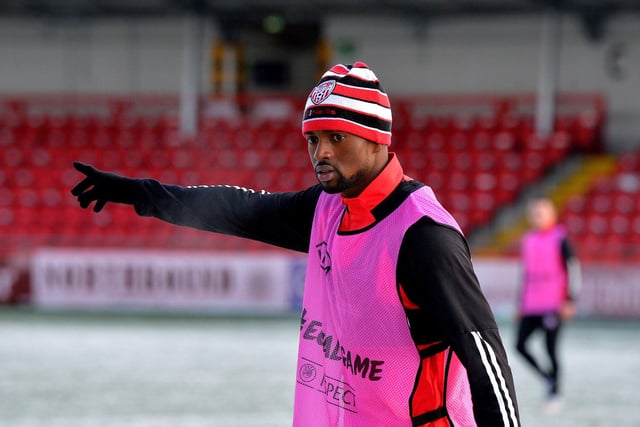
87	197
99	205
84	168
82	186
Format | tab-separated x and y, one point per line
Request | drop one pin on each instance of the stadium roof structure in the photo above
304	8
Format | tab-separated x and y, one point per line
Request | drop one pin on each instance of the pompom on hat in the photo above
349	98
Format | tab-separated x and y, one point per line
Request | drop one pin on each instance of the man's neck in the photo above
358	209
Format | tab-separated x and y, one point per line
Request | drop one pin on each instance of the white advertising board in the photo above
264	283
163	280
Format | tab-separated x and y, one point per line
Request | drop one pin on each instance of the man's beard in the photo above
344	183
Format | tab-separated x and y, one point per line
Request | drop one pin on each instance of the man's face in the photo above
542	214
343	162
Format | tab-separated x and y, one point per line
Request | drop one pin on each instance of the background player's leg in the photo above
552	328
528	325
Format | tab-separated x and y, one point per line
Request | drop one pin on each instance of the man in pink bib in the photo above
394	329
550	283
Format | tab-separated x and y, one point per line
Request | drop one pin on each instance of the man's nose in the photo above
323	150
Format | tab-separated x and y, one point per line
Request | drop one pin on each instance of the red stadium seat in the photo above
459	142
434	179
623	203
575	223
436	141
458	181
533	165
415	140
485	161
629	162
504	141
481	141
507	186
414	160
559	146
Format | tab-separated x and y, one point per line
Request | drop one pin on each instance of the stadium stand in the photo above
604	222
477	153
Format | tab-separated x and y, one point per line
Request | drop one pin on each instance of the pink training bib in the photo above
357	363
545	275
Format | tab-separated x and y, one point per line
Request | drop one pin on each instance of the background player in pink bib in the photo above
551	277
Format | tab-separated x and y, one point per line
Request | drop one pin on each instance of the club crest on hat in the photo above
322	91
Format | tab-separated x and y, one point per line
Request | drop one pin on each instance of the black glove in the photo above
102	187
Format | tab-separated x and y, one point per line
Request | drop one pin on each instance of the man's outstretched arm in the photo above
281	219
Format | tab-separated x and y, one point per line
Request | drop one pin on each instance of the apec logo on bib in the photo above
336	392
339	393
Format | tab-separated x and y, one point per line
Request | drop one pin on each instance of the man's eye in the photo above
338	137
312	140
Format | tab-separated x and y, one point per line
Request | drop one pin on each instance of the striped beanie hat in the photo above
349	98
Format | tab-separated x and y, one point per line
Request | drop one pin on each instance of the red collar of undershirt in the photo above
358	214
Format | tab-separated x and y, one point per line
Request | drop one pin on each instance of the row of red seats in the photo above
53	213
70	225
604	223
52	189
287	137
20	165
465	170
194	158
425	114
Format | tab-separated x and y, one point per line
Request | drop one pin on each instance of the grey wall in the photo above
97	56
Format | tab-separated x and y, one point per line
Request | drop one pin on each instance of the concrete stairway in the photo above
573	178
